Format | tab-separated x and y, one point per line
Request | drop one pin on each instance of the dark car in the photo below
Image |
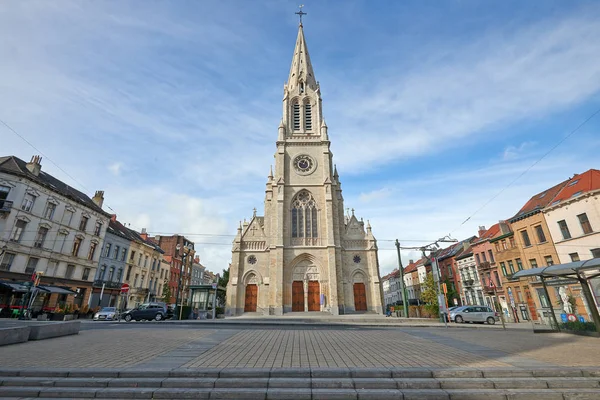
147	311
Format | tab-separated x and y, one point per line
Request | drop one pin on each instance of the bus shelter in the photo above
581	271
203	298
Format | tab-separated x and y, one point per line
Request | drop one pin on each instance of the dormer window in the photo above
307	117
296	116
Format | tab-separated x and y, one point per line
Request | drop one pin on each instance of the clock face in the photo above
304	164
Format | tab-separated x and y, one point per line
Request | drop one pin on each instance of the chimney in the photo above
144	234
504	228
113	217
98	198
35	165
411	261
481	231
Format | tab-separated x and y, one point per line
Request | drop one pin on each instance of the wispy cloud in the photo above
173	110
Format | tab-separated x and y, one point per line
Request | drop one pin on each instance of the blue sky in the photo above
172	108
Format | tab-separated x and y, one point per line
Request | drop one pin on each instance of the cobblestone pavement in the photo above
557	348
334	348
101	348
183	347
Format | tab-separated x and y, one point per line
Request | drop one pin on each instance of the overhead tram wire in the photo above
48	158
529	168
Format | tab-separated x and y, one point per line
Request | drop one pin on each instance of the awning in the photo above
14	286
56	289
587	269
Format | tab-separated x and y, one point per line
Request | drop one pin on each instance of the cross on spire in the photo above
300	13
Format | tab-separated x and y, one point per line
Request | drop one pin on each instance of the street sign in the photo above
125	288
214	285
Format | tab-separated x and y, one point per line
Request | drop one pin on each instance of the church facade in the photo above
306	254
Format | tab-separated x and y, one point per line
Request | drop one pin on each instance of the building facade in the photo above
305	254
112	266
489	276
573	221
47	226
180	253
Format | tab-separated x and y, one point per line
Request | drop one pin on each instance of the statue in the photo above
564	296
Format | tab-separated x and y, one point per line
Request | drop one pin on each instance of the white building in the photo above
47	226
573	219
469	277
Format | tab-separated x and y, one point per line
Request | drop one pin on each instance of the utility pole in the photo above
402	285
214	310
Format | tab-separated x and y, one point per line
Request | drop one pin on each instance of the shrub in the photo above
578	326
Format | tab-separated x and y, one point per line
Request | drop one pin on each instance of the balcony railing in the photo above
5	205
468	282
107	284
485	265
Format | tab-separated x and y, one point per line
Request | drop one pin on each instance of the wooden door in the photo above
298	296
360	297
251	298
314	293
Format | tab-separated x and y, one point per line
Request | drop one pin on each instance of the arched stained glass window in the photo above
304	216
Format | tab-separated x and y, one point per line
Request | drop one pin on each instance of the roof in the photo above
578	185
116	228
15	166
137	237
490	233
539	201
466	253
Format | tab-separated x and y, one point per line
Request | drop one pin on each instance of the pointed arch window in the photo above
296	116
307	117
304	216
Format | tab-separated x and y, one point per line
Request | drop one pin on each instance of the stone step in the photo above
298	394
304	383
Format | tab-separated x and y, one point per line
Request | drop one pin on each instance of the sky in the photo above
435	109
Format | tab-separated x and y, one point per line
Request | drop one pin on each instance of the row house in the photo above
489	276
447	264
472	291
143	269
197	273
112	266
180	253
48	226
411	280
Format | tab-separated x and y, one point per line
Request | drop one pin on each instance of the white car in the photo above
479	314
107	314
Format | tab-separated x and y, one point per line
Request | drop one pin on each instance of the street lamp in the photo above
183	258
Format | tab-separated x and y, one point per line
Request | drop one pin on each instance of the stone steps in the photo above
304	383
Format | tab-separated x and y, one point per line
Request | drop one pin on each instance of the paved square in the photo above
170	346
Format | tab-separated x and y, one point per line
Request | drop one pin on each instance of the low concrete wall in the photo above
15	334
50	330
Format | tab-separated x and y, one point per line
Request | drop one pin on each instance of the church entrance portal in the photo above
314	292
360	297
251	298
298	296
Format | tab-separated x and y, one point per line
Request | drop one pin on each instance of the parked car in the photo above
447	314
147	311
481	314
107	314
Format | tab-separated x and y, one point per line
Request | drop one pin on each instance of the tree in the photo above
452	293
166	294
223	281
429	295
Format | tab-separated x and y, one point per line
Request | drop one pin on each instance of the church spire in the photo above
301	72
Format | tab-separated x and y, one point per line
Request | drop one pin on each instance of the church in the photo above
306	254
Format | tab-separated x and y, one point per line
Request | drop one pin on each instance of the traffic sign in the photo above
125	288
214	285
